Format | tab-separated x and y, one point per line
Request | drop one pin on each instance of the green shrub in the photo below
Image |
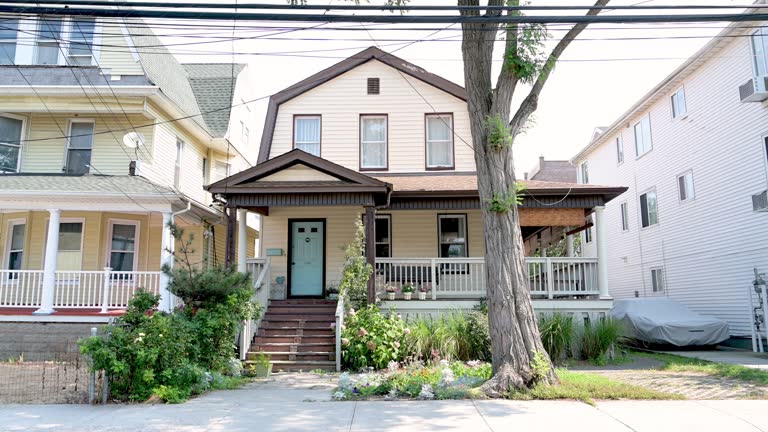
372	339
451	336
599	339
557	334
356	272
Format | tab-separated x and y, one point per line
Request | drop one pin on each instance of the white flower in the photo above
426	392
345	382
393	366
339	395
447	378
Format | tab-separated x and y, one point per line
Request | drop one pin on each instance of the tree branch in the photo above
531	102
507	80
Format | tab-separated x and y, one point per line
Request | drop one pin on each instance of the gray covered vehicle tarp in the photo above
665	321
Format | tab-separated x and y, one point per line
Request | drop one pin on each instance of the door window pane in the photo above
439	141
10	143
123	247
373	142
80	147
307	134
70	246
453	236
8	41
47	49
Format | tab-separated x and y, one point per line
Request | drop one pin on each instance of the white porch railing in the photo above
338	328
103	289
260	270
465	277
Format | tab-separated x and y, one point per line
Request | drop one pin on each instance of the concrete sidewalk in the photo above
256	408
728	356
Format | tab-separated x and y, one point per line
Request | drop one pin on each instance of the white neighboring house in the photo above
692	225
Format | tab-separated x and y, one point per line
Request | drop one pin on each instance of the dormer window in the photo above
47	49
374	86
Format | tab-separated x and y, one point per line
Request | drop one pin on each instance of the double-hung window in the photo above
452	233
657	280
81	35
685	186
8	36
178	163
47	48
11	129
17	231
649	213
624	208
383	231
122	246
439	136
307	133
70	253
679	109
619	150
79	148
643	142
584	171
373	142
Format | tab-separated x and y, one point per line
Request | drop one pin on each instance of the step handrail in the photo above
260	294
339	325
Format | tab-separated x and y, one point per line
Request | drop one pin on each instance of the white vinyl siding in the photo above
11	133
685	187
373	142
643	143
679	107
439	133
307	134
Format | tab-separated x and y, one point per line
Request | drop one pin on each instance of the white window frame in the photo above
319	142
9	237
640	208
19	23
619	142
689	196
584	172
388	218
21	140
649	147
82	238
440	242
658	281
216	164
69	133
64	37
385	142
624	216
178	162
68	29
137	242
675	104
449	116
754	59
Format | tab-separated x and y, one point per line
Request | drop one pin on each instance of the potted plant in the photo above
391	290
423	291
407	291
332	293
262	367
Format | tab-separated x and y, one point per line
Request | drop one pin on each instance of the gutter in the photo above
58	90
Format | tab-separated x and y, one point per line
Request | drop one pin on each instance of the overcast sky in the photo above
595	82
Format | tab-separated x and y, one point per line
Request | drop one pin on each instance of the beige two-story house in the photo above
377	137
103	142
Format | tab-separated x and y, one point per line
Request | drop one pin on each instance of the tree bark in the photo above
515	338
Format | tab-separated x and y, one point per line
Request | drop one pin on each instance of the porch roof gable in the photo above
264	178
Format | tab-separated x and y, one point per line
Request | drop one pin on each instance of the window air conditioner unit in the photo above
754	90
760	202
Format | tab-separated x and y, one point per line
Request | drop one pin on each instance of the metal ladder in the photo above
757	311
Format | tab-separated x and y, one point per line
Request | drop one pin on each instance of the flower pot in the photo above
422	296
407	295
263	371
390	296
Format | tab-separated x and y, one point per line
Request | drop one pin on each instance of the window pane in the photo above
453	251
121	261
81	38
78	162
307	130
439	128
374	155
646	124
619	151
70	235
382	230
382	250
681	188
759	54
17	236
9	158
81	135
14	262
8	42
47	54
644	209
652	211
374	129
10	130
123	237
373	142
50	29
452	230
439	153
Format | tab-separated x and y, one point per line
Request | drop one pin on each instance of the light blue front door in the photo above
307	258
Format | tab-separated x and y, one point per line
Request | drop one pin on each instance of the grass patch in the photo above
677	363
587	388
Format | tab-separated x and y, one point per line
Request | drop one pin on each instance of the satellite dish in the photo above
133	140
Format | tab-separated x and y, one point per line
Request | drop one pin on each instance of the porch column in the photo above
568	243
167	243
229	250
370	250
242	239
602	252
49	270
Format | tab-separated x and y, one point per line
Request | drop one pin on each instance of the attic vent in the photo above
373	86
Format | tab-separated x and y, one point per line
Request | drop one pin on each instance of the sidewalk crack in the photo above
352	421
730	415
482	416
615	419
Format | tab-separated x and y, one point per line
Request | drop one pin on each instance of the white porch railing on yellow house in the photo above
260	271
104	289
452	278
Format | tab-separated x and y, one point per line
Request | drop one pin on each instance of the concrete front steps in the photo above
297	335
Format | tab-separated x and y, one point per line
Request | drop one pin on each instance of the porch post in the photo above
49	270
568	243
602	252
167	243
229	251
242	239
370	250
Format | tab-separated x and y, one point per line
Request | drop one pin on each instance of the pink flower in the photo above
344	341
362	332
407	331
397	344
371	346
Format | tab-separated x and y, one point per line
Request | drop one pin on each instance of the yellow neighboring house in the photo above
105	138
